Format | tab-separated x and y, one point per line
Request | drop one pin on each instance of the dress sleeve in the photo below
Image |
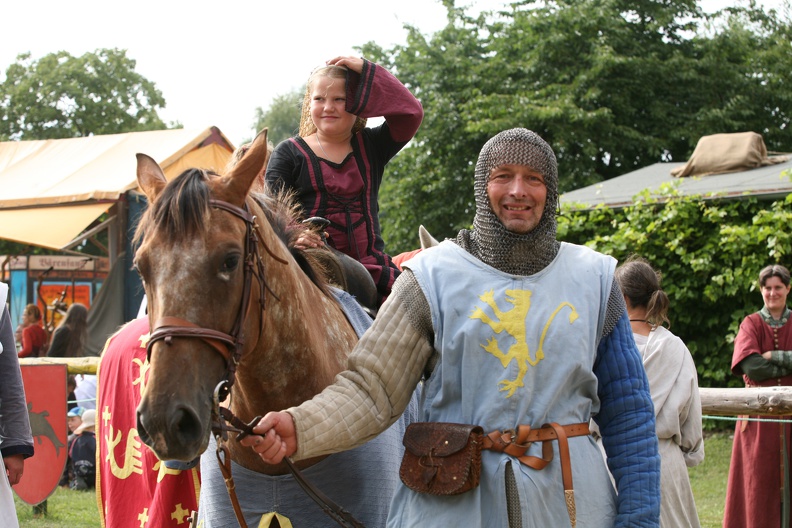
782	358
383	371
27	342
375	92
690	428
282	168
746	343
627	424
15	434
758	368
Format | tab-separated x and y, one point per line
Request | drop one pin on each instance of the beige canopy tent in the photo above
53	189
53	192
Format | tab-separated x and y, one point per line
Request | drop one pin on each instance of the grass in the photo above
65	509
78	509
708	479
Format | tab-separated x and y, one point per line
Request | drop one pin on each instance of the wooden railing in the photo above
83	365
764	401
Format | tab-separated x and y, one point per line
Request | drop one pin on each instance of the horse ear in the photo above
250	168
150	177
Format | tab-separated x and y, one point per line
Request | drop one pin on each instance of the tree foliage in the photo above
61	96
282	118
612	85
709	252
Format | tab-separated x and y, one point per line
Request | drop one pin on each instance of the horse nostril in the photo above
142	433
186	425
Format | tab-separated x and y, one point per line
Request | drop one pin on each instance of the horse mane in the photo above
182	210
283	212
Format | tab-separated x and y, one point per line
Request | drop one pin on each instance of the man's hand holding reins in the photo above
274	437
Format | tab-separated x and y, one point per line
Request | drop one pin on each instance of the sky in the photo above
215	63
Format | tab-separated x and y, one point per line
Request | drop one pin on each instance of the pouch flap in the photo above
438	438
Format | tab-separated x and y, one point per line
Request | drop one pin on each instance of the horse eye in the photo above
230	263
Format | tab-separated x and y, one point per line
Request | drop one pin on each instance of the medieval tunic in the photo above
758	468
347	193
133	487
673	382
555	370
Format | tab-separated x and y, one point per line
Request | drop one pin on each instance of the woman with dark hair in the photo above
758	495
673	384
34	337
69	338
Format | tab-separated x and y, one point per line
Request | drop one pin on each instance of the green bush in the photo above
709	250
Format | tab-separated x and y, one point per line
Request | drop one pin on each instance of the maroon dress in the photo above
347	193
761	450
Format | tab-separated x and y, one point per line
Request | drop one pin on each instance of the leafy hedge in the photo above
709	250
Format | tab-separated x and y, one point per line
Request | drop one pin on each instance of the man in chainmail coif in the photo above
514	331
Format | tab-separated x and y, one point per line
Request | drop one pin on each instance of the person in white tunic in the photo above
673	383
513	331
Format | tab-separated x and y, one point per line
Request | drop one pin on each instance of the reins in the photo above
231	346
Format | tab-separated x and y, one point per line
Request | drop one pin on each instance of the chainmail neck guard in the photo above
489	240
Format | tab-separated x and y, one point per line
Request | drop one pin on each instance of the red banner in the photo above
45	390
132	483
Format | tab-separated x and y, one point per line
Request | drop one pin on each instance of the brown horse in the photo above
227	300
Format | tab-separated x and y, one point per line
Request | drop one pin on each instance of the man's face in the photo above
517	195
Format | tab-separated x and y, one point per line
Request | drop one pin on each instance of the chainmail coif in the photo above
490	241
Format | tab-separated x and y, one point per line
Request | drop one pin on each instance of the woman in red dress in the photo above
758	494
34	337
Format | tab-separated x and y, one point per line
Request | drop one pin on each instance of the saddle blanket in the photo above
362	480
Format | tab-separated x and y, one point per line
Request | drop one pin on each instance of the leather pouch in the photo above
441	458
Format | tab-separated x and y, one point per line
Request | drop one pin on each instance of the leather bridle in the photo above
231	345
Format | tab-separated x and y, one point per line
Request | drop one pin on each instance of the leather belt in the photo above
516	444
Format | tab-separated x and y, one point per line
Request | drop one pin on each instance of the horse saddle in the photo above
348	274
345	272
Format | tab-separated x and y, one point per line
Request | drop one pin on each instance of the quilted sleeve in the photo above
383	371
627	423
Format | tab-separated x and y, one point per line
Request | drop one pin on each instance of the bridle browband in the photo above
230	346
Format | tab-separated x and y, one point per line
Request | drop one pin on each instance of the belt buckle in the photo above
512	435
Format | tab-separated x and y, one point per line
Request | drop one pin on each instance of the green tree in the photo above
710	252
282	118
612	85
61	96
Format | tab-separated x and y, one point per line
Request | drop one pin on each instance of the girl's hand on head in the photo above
353	63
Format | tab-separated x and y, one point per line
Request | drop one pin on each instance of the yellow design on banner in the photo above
163	470
143	367
132	462
512	322
180	515
268	518
143	517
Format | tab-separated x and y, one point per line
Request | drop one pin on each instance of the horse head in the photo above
195	262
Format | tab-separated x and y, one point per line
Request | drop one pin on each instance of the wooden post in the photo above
763	401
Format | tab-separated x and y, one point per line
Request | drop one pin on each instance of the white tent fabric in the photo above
50	227
53	189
